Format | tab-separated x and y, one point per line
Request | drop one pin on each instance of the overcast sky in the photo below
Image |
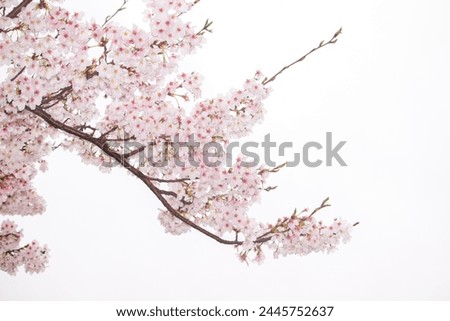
383	88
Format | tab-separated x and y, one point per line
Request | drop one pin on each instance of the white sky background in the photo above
383	88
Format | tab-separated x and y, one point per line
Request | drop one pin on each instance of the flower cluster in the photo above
59	66
32	256
305	235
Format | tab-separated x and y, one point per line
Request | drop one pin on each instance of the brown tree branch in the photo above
15	12
60	95
13	235
105	135
99	142
134	152
168	193
18	74
136	172
122	159
322	44
206	28
6	177
322	206
162	180
109	18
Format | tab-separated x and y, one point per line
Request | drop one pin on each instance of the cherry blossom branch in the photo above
18	27
17	251
111	131
15	12
101	142
322	206
158	192
85	126
322	44
58	96
6	177
18	74
280	227
136	172
13	235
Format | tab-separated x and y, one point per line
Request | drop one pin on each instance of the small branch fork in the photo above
206	28
102	141
322	44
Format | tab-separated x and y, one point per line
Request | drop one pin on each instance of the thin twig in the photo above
206	28
322	44
150	182
2	178
162	180
109	18
18	74
168	193
322	206
104	135
15	12
134	152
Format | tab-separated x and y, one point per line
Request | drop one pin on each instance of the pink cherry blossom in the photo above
58	65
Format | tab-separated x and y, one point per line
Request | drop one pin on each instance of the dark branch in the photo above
11	29
323	205
99	142
206	28
104	135
18	74
58	96
15	12
134	152
136	172
14	252
322	44
2	178
13	235
162	180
